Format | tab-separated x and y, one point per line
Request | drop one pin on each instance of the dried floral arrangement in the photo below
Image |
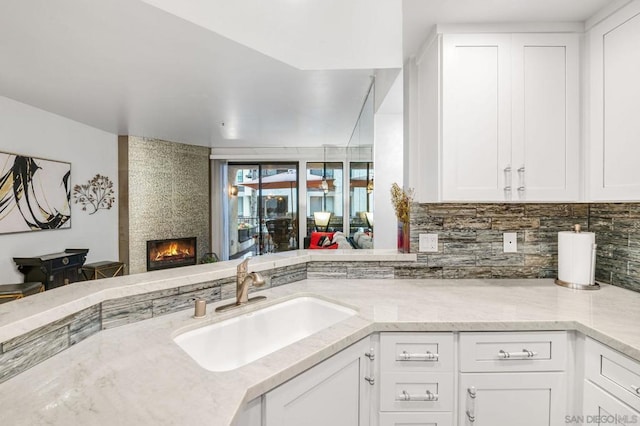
98	194
401	200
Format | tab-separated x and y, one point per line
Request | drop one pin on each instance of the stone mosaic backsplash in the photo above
470	239
617	228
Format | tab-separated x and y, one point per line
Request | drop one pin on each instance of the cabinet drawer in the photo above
411	391
615	372
517	351
600	408
416	419
416	352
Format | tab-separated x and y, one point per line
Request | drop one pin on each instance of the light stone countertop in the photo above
136	374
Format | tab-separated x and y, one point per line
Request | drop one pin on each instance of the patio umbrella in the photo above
285	180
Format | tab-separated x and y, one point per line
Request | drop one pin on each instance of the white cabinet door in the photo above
507	399
601	408
334	393
416	419
476	116
615	102
545	117
510	117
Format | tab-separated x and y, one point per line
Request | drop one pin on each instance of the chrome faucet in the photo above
243	280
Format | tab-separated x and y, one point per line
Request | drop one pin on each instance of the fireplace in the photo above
171	253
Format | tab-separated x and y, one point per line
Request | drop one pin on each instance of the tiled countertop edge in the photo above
41	309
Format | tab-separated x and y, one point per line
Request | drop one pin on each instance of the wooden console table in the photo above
55	269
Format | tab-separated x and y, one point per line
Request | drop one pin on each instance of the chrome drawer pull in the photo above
524	354
428	396
472	392
370	380
636	389
470	416
427	356
471	404
371	354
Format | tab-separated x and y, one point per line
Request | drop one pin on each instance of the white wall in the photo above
422	115
30	131
388	157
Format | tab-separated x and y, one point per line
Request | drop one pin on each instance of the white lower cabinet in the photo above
416	419
336	392
512	378
464	379
506	399
611	386
602	408
416	379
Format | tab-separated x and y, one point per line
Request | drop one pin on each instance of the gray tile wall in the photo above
470	240
617	229
167	194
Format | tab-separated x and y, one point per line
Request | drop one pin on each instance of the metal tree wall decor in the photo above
97	194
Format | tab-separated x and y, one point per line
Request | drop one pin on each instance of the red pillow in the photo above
315	237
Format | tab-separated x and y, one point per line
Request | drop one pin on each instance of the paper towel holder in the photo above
592	285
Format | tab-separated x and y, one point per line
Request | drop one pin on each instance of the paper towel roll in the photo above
576	263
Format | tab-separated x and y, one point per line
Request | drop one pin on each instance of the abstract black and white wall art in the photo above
34	194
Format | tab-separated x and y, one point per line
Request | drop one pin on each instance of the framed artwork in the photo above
34	194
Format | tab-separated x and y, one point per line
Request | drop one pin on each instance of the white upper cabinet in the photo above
476	116
615	101
545	117
510	117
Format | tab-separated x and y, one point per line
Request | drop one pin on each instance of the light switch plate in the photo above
510	242
428	243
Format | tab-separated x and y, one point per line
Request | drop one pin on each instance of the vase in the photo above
404	237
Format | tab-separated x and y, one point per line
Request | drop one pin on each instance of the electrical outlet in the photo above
428	243
510	242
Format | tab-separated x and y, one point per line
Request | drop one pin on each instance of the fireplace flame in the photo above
172	251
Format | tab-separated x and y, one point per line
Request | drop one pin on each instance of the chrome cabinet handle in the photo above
370	378
524	354
427	356
521	182
507	178
636	389
471	404
427	396
470	416
371	354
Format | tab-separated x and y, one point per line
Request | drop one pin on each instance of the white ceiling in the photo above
419	16
129	67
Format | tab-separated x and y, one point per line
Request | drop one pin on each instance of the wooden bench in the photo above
10	292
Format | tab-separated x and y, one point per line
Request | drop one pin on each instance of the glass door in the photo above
263	208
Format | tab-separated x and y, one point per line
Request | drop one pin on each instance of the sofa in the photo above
338	240
327	241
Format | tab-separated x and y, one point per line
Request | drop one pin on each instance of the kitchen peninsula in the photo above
136	374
